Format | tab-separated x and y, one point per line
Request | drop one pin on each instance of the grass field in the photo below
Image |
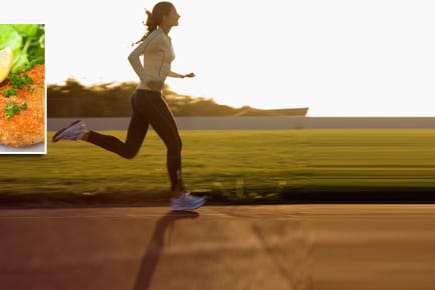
230	165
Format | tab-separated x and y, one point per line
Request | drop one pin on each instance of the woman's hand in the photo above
191	75
155	85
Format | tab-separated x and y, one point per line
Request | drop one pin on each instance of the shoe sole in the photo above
58	134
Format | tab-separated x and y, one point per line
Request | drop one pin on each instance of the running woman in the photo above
149	107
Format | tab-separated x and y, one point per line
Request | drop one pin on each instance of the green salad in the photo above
27	42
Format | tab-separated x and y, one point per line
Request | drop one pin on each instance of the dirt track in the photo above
246	247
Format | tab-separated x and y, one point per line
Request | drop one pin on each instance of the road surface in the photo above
219	247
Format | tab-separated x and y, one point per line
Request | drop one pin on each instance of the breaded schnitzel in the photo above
25	126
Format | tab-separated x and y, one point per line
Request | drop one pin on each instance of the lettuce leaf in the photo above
27	42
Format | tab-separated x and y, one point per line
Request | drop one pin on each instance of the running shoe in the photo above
75	131
186	201
188	195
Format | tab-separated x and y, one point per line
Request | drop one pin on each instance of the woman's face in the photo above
172	18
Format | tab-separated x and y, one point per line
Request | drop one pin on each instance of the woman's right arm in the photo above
134	59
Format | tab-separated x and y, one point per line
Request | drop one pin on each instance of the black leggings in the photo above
149	108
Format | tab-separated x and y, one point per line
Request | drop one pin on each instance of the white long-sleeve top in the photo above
158	53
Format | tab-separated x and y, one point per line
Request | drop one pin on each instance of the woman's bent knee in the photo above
129	154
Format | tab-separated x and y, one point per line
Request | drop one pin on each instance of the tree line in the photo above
72	99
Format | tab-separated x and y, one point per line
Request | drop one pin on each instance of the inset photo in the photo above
22	89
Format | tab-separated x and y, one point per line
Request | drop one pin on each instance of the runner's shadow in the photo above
156	246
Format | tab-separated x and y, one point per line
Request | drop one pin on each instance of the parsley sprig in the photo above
9	92
18	81
12	109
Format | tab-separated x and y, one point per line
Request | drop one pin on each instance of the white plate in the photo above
32	149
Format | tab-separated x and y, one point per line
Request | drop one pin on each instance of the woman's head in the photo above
163	14
160	14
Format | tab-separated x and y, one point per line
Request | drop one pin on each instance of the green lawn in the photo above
230	165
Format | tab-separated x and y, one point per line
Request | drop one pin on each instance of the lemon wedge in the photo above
6	58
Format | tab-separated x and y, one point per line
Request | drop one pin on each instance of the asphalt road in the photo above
232	247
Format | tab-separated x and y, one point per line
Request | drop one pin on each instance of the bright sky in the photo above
337	57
